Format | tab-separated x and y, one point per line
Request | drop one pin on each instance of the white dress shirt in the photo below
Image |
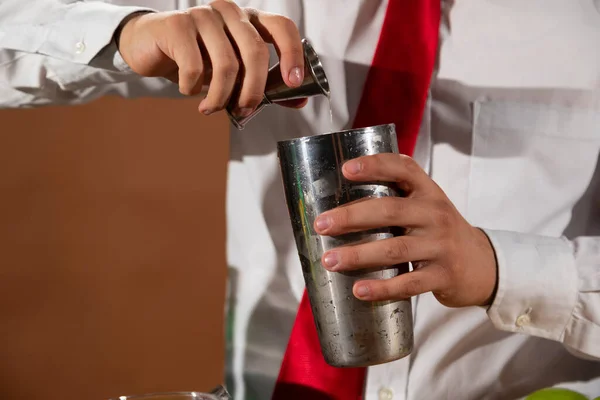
511	133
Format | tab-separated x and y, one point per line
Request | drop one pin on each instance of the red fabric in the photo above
395	91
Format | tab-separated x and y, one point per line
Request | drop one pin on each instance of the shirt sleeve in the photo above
56	52
74	31
550	288
63	51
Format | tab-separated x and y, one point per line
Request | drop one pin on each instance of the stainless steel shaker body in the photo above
352	332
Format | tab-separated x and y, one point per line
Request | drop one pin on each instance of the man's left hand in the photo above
450	257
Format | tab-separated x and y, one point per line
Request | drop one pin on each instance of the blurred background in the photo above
112	249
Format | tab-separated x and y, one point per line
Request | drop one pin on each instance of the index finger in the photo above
404	286
283	33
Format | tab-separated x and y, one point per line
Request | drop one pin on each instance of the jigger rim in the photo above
391	127
316	67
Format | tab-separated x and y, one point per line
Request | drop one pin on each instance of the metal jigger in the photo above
315	83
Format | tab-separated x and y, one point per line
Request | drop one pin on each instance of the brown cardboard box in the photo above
112	240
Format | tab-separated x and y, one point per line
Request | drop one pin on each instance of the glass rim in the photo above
158	395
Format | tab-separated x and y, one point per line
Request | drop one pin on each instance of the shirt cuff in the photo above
85	30
537	284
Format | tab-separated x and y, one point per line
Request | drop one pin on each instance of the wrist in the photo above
490	266
127	22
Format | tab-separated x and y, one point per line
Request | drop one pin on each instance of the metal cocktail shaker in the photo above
352	332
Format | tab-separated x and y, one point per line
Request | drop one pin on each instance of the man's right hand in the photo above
218	45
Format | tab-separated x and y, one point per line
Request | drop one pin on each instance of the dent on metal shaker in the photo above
352	332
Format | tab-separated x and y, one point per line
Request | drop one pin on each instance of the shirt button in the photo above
79	47
523	319
386	394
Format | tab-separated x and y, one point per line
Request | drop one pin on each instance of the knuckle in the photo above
201	12
189	79
410	164
442	219
286	23
440	248
341	218
369	164
227	66
390	208
186	90
251	13
351	257
443	216
294	51
191	73
259	51
179	20
384	290
227	9
446	274
444	280
397	251
449	250
223	3
290	29
411	287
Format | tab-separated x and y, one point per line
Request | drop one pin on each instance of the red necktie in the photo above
395	91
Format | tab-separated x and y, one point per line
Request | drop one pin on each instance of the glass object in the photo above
219	393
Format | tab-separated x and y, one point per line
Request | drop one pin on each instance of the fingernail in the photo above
362	291
353	167
322	223
202	106
331	261
296	77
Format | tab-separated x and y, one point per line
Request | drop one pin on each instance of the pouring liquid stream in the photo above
331	127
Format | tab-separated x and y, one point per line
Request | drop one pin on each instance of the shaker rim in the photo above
327	136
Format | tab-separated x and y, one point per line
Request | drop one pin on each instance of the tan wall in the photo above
112	270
